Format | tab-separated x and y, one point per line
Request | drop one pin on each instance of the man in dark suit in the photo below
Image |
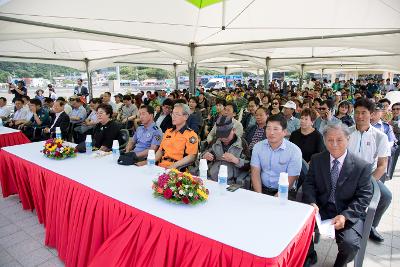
81	89
61	120
338	185
163	119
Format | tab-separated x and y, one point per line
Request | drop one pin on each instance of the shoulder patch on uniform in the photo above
157	137
192	140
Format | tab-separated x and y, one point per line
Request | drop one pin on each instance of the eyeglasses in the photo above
322	108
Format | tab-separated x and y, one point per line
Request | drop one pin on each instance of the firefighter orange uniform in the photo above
176	145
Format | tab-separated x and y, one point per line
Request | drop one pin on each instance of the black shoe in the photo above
375	236
311	259
317	236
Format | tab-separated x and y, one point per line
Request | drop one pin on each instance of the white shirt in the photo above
4	111
67	109
30	114
113	105
92	116
53	96
22	114
369	145
119	105
56	118
160	119
340	159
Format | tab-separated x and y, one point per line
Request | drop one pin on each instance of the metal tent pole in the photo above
301	76
226	78
89	76
192	70
266	74
175	76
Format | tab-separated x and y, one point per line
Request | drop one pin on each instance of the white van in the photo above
216	83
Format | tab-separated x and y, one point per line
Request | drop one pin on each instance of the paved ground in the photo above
22	237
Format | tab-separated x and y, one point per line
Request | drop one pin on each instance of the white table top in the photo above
252	222
6	130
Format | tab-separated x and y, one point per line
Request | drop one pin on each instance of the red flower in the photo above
185	200
163	180
57	154
59	145
178	184
168	193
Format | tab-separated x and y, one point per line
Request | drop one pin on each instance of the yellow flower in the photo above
188	175
58	141
53	148
174	171
202	194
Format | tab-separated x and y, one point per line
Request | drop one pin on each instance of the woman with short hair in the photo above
307	138
106	130
343	113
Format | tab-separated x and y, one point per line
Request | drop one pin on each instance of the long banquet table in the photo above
11	137
99	213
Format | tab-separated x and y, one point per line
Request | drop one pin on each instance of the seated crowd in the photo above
344	132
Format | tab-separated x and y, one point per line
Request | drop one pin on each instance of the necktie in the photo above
334	178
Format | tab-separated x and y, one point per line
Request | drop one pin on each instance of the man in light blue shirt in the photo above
292	123
78	113
326	110
147	136
274	155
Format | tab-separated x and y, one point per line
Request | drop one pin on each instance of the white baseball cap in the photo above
290	104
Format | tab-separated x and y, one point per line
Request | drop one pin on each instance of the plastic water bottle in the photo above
151	158
58	133
283	187
203	170
222	179
88	144
115	150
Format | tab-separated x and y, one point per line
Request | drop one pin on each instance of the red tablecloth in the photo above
87	227
12	139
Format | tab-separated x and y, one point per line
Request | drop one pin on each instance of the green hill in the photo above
32	70
36	70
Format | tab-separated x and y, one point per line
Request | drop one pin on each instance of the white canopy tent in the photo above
259	34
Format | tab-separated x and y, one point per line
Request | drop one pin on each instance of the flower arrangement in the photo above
180	187
55	149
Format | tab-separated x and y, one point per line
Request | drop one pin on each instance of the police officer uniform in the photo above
178	144
146	137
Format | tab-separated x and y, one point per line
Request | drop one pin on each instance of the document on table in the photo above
325	227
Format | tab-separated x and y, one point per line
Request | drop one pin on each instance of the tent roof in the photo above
290	33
